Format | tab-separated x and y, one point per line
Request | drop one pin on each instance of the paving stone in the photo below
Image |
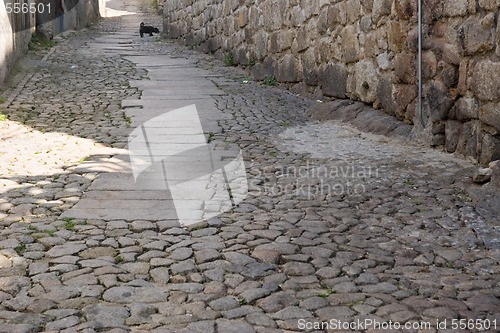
97	252
440	313
224	303
204	232
175	231
214	274
261	319
105	316
183	267
292	312
365	309
206	255
366	278
202	326
352	270
61	294
337	312
345	287
328	272
233	326
313	303
51	241
240	312
482	302
136	294
156	245
136	267
64	268
267	256
38	267
95	263
63	323
208	246
65	249
404	316
255	270
18	328
383	287
117	224
18	303
119	294
190	288
238	258
247	285
126	241
351	298
181	254
140	313
251	295
41	305
233	280
160	274
298	268
85	279
138	226
158	262
277	301
391	308
281	248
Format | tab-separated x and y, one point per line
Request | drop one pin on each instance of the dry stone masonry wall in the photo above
366	50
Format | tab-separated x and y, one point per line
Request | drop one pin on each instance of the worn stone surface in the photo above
338	223
364	51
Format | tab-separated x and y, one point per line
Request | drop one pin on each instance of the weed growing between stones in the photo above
270	80
210	137
39	42
128	120
49	232
326	293
69	225
229	60
251	62
83	159
20	249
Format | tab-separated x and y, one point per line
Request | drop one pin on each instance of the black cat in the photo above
147	29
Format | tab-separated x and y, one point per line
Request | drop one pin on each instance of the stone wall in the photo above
16	29
15	34
366	50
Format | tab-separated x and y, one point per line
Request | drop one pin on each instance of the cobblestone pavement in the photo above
339	226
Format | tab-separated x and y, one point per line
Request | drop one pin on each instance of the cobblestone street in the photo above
339	228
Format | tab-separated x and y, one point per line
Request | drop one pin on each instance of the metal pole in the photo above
420	83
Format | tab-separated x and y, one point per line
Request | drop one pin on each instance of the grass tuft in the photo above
39	42
229	60
270	80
